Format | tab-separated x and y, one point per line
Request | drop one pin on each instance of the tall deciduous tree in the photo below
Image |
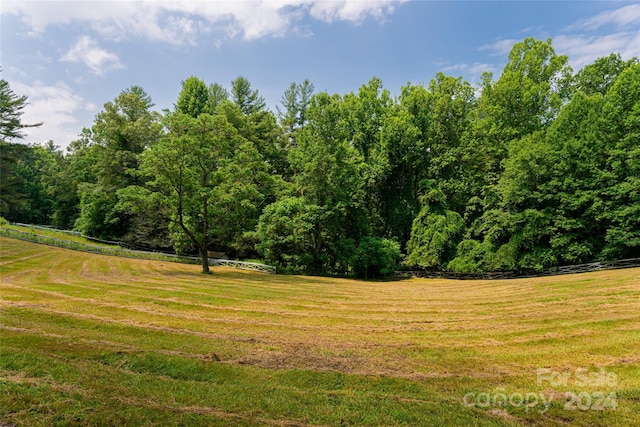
395	168
366	113
600	76
526	98
201	173
621	190
530	91
451	102
365	116
328	183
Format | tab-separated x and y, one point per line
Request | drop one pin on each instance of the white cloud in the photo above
470	72
500	47
585	49
350	10
87	51
621	18
56	106
183	22
583	44
476	68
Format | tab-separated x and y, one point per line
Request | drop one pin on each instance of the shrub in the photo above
375	257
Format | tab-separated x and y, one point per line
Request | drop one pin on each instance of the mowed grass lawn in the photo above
95	340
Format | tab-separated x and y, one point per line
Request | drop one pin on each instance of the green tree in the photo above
443	124
531	89
621	188
194	98
547	200
12	199
365	116
34	169
376	257
200	173
328	170
435	233
578	161
395	168
248	113
421	138
526	98
247	99
366	113
287	234
327	180
292	115
69	174
217	95
121	132
600	76
11	110
567	194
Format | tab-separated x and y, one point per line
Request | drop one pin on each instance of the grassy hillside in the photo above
94	340
53	233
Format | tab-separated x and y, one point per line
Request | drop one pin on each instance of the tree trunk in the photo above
204	246
205	261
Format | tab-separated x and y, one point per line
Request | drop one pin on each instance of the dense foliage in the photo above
537	168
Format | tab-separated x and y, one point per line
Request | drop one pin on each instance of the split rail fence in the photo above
555	271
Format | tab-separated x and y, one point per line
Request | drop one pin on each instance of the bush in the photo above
472	257
285	236
376	257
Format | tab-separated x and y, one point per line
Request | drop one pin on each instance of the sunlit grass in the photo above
87	339
55	234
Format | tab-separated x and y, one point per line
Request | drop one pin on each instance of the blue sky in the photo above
70	58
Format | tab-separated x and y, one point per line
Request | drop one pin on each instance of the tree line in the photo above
537	168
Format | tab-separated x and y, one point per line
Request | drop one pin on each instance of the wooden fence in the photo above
129	253
567	269
244	265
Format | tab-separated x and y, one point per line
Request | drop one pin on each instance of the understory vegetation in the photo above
536	168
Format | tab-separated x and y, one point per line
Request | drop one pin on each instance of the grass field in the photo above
57	234
96	340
